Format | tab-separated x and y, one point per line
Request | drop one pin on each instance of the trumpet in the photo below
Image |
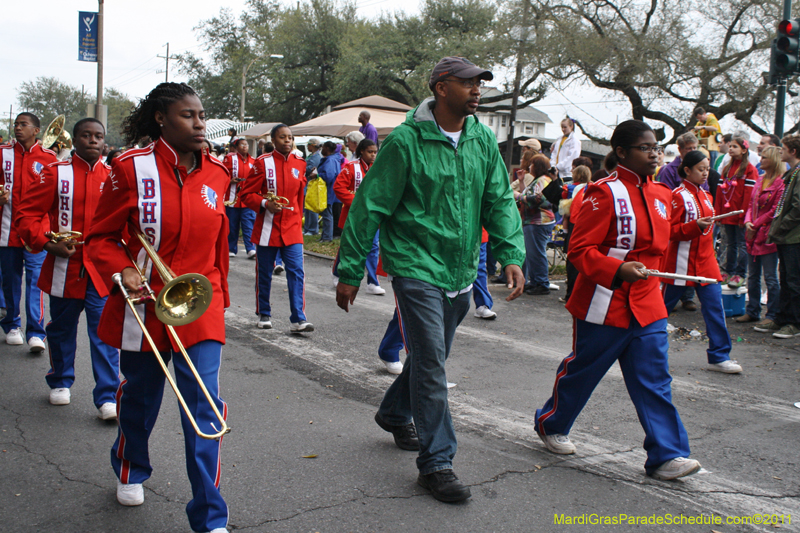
281	201
71	237
182	300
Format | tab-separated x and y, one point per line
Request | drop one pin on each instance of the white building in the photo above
530	122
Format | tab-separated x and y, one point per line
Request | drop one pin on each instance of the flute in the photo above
668	275
731	214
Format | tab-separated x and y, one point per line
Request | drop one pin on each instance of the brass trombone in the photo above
182	300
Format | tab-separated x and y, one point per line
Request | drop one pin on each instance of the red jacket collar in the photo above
81	163
167	152
36	148
691	187
628	175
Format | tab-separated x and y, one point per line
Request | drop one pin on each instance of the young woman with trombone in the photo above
166	201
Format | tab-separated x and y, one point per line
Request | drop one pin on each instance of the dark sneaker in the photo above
767	326
444	486
787	332
689	305
537	290
404	436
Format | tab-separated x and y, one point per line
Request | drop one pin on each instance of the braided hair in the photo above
141	122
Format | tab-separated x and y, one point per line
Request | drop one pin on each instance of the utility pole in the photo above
523	33
100	111
166	59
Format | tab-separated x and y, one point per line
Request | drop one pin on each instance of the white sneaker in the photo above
395	368
107	411
131	494
264	322
251	254
377	290
36	344
727	367
219	530
335	281
554	287
485	312
557	443
231	254
59	396
678	467
14	337
278	269
304	327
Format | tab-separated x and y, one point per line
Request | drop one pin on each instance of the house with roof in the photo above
529	123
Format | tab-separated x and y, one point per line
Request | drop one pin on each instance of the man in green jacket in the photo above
785	232
438	178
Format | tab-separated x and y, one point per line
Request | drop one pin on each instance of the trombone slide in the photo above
726	215
224	425
669	275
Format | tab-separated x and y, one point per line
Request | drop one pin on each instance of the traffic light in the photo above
787	61
774	76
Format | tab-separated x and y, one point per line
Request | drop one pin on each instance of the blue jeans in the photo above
392	342
312	222
736	257
429	320
480	289
13	260
62	334
327	223
536	238
244	218
769	265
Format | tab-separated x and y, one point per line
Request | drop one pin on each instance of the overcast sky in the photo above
41	39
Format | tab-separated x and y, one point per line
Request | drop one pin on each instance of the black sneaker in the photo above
404	436
537	290
444	486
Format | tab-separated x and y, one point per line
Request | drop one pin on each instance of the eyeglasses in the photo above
647	148
467	84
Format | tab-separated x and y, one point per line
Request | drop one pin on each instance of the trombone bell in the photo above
183	299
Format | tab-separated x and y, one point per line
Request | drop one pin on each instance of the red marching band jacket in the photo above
238	167
691	250
185	224
68	192
346	185
284	176
20	167
623	217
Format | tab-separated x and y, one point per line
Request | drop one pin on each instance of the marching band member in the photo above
69	193
345	187
623	226
691	253
22	161
171	191
239	163
279	227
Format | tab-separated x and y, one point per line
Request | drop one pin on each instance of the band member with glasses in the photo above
171	191
22	160
68	192
277	178
239	163
691	253
623	225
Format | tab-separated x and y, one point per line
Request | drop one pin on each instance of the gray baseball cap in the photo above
459	67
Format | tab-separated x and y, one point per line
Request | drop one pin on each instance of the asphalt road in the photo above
292	396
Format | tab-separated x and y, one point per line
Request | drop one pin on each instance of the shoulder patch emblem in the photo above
295	173
209	197
37	167
661	209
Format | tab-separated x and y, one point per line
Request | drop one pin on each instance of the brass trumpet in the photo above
281	201
182	300
71	237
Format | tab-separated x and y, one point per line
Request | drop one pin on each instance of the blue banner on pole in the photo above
87	36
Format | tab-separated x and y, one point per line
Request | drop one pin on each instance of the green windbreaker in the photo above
430	201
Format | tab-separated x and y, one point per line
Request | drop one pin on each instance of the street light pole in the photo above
244	83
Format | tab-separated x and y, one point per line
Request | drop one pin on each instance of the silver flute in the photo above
668	275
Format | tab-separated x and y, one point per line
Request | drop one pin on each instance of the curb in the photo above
319	256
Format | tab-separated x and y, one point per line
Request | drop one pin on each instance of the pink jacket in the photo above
760	212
